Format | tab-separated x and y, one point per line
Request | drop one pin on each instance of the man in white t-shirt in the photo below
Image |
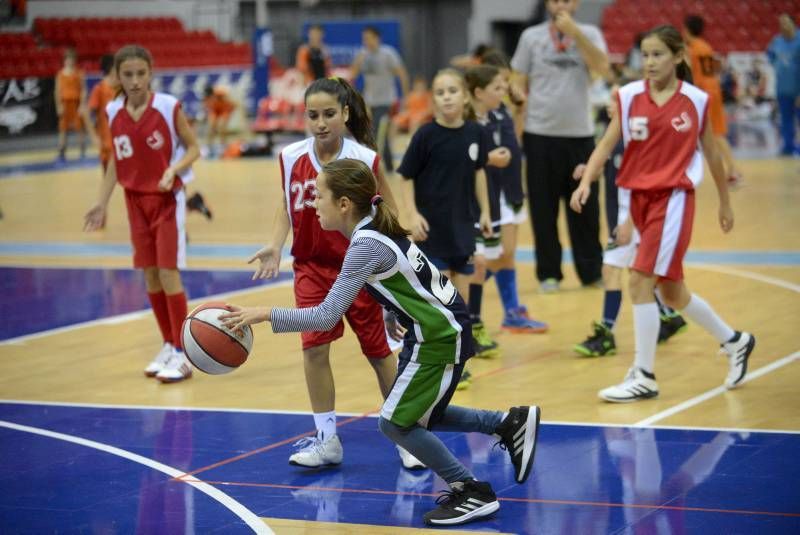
555	60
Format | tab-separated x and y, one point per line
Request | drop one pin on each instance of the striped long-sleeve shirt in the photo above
365	257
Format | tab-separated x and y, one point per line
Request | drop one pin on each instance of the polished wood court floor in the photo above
738	275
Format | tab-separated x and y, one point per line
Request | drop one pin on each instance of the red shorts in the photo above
312	282
664	221
157	228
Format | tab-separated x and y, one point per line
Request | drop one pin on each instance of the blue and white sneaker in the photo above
517	320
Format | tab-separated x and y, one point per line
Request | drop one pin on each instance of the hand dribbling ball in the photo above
209	346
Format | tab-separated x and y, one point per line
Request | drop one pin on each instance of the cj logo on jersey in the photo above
682	123
155	140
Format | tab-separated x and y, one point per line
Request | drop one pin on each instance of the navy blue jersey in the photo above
442	163
510	181
494	175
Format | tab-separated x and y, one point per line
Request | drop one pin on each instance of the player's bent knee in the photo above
391	430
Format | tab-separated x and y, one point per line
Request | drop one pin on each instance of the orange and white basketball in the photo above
209	346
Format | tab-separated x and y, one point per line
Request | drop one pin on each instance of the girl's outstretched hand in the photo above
238	316
95	219
269	259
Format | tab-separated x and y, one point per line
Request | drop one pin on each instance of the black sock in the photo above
475	298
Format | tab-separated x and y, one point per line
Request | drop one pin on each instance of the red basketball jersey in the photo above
662	143
299	170
144	149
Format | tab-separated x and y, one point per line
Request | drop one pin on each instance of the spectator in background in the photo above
70	97
418	108
705	70
313	59
784	55
555	59
633	60
465	61
219	108
380	64
102	93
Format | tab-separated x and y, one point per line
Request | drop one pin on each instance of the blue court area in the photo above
37	299
586	479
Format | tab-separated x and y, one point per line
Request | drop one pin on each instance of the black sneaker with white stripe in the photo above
738	349
464	503
518	433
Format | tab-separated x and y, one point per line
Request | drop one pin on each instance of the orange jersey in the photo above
218	106
704	66
70	85
419	102
102	94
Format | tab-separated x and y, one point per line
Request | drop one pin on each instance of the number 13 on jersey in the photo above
123	147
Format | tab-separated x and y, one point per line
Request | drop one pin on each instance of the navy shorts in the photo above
459	264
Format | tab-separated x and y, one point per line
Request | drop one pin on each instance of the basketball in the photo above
209	346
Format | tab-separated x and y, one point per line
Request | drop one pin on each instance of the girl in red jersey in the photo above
334	110
153	147
662	120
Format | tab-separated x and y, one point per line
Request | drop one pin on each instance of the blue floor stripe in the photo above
226	250
51	165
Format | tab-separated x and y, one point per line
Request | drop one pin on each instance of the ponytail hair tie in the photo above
376	199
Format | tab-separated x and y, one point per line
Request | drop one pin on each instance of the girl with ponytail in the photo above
662	121
334	113
435	328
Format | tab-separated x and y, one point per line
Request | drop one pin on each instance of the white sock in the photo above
701	312
325	423
646	323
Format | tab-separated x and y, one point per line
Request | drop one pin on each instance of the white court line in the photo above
122	318
748	275
654	418
249	518
369	415
705	396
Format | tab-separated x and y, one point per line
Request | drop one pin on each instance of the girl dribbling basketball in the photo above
153	148
428	313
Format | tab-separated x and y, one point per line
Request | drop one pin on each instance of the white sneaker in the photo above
636	386
160	361
409	461
176	369
314	452
738	355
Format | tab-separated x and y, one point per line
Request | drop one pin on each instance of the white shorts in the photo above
621	256
509	214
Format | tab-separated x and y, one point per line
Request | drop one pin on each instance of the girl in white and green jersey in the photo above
424	308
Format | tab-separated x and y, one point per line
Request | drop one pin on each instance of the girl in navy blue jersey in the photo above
445	188
487	86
